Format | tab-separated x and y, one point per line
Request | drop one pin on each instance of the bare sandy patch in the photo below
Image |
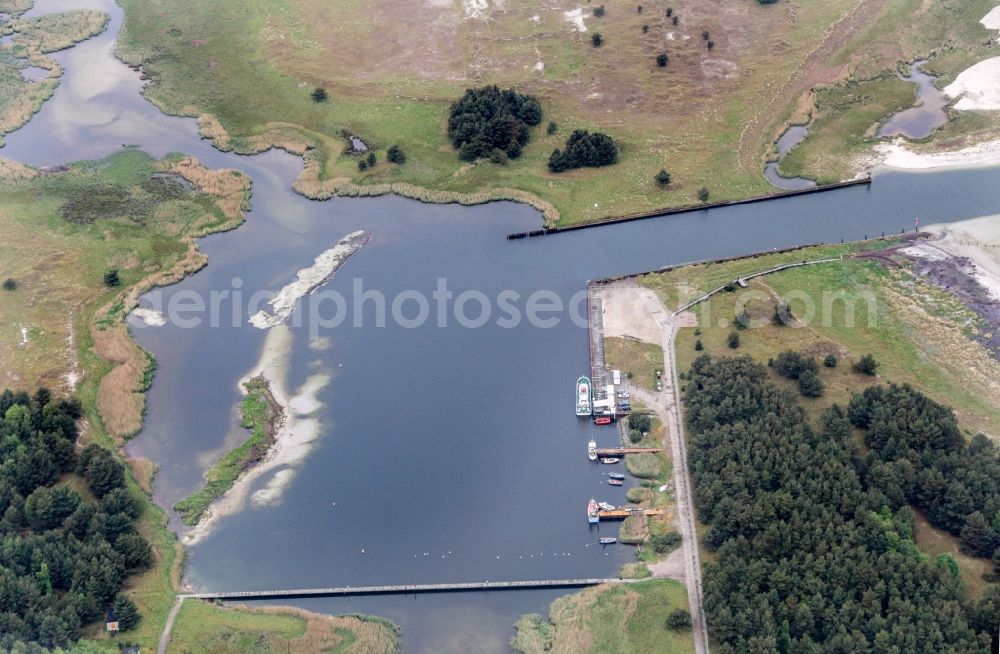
897	154
627	315
475	9
991	21
977	87
575	17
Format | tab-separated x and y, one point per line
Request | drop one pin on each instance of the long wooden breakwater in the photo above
644	215
399	589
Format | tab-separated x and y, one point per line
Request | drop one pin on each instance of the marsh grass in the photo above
33	39
281	50
619	619
203	627
643	466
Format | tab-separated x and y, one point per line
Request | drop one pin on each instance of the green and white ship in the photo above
584	406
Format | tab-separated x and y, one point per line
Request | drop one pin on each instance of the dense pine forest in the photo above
815	542
67	533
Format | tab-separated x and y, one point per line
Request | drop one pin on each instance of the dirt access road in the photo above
630	310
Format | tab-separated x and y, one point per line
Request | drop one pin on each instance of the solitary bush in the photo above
698	346
703	194
319	94
584	149
674	19
783	315
645	28
710	44
830	361
661	60
552	128
395	154
704	35
662	178
866	365
9	284
679	620
810	385
111	278
663	543
362	165
597	39
670	12
372	159
599	10
743	320
734	340
499	157
488	118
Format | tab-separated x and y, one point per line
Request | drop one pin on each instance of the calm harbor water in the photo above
451	453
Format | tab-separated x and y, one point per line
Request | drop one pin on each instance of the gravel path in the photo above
164	643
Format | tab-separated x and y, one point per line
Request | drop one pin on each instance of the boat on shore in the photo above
584	404
610	460
608	540
592	450
616	475
615	482
592	517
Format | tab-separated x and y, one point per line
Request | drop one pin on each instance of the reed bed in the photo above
120	396
643	466
16	171
634	530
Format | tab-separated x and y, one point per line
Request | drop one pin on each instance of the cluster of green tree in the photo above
810	558
919	457
488	119
584	149
63	556
638	425
804	369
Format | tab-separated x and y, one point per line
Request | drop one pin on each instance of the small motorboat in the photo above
592	450
605	506
603	420
610	460
616	475
608	540
615	482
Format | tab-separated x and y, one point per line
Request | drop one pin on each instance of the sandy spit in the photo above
309	279
292	442
896	154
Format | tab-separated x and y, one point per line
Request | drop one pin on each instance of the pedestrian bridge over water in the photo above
400	589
